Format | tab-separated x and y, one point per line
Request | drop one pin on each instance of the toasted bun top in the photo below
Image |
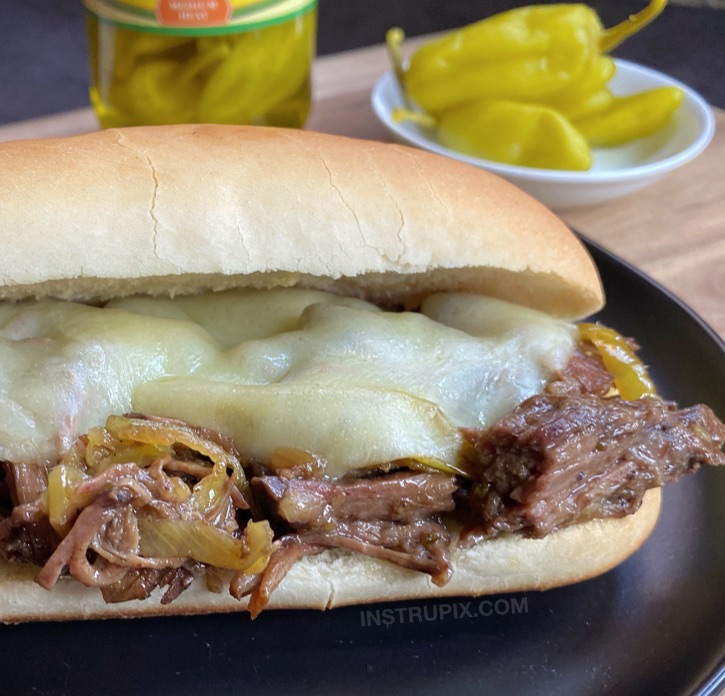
183	209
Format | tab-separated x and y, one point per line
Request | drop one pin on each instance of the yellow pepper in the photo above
627	118
256	76
588	94
520	54
515	133
630	374
153	94
539	73
523	54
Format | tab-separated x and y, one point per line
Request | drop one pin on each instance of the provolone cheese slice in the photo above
352	426
289	367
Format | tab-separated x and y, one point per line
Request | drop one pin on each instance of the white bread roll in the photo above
182	209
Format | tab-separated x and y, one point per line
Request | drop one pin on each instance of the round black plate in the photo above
653	626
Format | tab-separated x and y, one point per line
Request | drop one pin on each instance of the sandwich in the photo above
249	368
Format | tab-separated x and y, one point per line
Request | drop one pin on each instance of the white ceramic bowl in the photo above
615	171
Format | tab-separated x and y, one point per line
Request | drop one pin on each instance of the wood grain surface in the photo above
674	230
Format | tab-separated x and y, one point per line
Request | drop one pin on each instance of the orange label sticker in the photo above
193	13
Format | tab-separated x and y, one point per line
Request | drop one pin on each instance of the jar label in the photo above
197	16
193	13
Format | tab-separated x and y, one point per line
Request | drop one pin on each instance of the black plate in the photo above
653	626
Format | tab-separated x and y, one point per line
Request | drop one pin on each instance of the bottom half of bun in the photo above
337	578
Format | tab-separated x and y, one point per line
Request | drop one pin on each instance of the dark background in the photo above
43	66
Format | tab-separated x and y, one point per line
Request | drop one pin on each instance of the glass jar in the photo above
201	61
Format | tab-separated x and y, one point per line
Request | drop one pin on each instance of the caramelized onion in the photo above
207	544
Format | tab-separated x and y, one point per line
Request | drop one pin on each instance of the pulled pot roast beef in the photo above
26	535
573	453
180	486
558	460
391	516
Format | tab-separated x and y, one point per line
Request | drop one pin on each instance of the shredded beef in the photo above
25	482
72	552
556	460
401	496
27	542
25	537
392	516
583	374
102	545
422	545
139	583
290	549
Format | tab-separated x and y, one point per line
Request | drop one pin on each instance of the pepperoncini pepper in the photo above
630	375
511	132
258	74
251	65
524	53
540	72
627	118
588	94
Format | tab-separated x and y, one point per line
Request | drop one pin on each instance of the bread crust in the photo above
188	208
338	578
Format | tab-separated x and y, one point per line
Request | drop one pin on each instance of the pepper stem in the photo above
394	39
417	117
614	36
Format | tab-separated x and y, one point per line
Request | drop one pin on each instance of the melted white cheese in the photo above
294	368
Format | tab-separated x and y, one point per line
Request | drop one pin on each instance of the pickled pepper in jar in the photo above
190	61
